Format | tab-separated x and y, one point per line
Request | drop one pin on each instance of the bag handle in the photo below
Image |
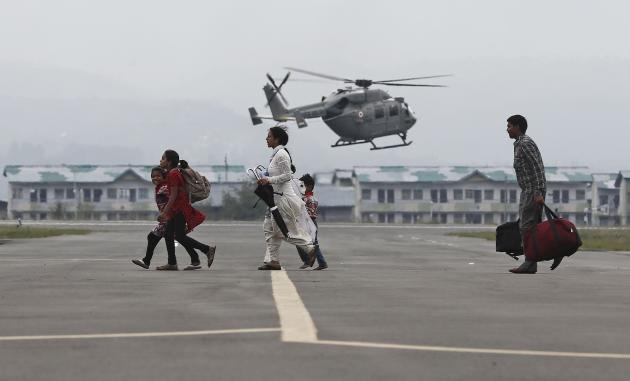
549	213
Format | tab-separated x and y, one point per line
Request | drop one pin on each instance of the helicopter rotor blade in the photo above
305	80
286	78
406	84
414	78
331	77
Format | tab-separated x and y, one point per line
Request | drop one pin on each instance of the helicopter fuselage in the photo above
365	114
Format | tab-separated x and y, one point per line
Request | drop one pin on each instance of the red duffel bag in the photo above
551	239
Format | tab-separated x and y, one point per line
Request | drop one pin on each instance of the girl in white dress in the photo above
292	208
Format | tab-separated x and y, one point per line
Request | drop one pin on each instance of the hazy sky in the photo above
563	64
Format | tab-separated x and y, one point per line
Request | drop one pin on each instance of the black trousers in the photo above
152	241
176	230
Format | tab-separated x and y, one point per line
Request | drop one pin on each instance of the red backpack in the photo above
551	239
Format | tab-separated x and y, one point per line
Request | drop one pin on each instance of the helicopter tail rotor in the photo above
277	88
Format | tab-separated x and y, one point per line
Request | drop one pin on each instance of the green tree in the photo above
239	205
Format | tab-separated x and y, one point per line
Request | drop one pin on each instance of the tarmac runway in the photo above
397	303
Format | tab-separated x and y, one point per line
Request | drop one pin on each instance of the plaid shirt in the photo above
529	167
311	205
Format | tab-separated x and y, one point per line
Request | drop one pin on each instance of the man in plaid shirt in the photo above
530	174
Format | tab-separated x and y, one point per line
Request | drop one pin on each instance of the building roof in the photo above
109	173
323	178
334	196
604	180
625	174
398	174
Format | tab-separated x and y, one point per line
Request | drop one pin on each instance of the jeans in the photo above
152	241
176	230
321	261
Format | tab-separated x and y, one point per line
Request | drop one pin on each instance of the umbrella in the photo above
265	193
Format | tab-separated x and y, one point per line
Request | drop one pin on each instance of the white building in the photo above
116	192
459	194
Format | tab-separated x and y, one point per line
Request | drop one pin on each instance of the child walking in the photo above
311	207
158	178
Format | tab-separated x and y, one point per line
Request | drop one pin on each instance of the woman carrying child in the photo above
180	216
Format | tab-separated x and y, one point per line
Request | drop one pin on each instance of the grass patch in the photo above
12	232
592	239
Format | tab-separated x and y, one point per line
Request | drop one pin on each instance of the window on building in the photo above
390	196
393	109
407	218
33	196
488	194
379	112
473	218
59	193
503	196
513	196
132	195
111	193
470	194
381	196
366	194
382	218
458	194
43	216
391	218
417	194
87	195
43	195
443	218
406	194
70	193
477	195
17	193
143	193
603	200
97	195
123	194
434	195
565	196
443	196
458	218
580	194
556	196
488	219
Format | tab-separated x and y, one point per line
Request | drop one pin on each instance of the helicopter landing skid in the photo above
344	143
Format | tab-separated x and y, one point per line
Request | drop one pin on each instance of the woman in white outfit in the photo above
292	208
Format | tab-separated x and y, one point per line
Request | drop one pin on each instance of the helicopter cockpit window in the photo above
393	109
379	112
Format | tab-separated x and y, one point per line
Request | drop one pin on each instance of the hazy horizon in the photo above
118	82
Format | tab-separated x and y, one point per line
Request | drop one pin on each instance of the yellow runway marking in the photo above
295	320
140	334
493	351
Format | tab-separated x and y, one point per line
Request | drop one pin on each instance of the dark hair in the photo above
308	180
159	169
183	164
280	134
172	157
518	121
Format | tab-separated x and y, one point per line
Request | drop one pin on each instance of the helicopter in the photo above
358	115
